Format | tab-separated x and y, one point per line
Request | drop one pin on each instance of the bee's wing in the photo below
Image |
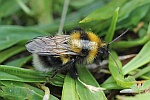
50	45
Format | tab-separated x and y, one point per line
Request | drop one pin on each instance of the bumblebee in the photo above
65	51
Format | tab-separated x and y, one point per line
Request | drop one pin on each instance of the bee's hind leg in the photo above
68	65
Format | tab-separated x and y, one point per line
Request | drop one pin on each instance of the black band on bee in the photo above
84	36
51	61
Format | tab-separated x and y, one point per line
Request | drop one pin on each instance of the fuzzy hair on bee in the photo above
61	52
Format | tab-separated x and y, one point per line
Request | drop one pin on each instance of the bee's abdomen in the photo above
46	63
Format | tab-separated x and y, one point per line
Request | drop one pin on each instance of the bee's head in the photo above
103	51
104	47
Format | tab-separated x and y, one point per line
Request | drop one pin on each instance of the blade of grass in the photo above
69	90
104	12
24	7
132	16
6	10
23	91
110	84
111	30
130	6
20	74
27	75
84	93
72	20
10	35
141	59
45	10
133	43
142	71
118	75
19	62
10	52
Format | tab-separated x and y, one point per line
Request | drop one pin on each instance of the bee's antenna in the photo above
63	16
118	37
112	42
114	60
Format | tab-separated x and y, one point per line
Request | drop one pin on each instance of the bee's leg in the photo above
65	66
73	72
54	74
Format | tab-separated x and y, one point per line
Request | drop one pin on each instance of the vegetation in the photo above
22	20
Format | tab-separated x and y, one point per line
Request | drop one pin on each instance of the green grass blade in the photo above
118	75
141	59
133	43
72	20
129	7
142	72
104	12
27	75
111	30
10	52
6	10
23	91
84	93
69	89
10	35
19	62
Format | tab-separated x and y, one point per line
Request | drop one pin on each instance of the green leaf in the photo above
84	93
24	7
10	52
133	43
5	8
69	89
118	75
27	75
20	74
104	12
19	62
110	84
110	33
72	20
148	31
10	35
146	75
141	59
142	72
130	6
137	42
45	11
23	91
134	16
